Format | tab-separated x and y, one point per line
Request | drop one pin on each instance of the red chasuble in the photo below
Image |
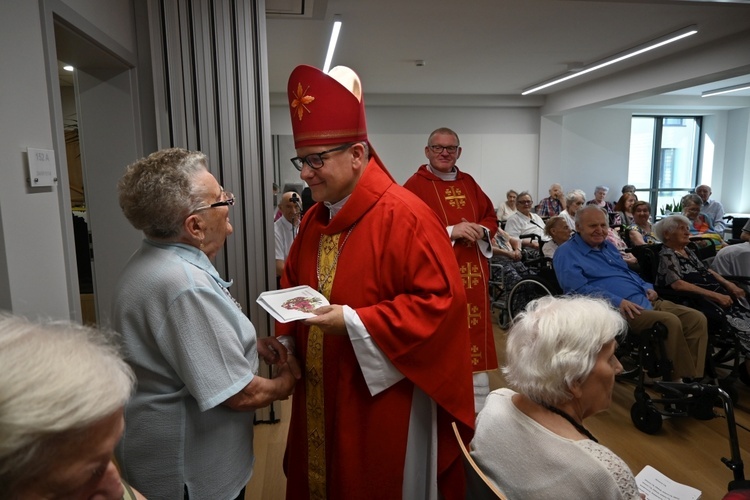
396	270
454	201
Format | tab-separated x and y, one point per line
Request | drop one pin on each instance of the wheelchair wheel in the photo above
645	417
525	291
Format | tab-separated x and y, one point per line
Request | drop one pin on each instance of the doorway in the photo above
104	92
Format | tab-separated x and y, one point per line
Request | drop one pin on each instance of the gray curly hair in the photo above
157	193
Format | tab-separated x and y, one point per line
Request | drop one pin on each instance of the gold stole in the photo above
316	431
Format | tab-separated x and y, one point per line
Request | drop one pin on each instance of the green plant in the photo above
671	208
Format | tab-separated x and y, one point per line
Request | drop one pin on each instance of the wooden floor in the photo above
687	450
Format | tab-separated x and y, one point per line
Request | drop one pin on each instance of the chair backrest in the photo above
478	486
737	224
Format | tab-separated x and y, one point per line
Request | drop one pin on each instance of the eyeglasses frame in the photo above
299	162
224	203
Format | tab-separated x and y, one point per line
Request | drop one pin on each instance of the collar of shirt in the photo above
446	176
334	208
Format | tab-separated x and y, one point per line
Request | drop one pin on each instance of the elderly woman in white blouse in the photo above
508	207
530	440
573	201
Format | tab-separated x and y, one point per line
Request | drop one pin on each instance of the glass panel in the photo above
641	152
665	179
678	154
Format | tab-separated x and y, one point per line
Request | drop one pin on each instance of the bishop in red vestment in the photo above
469	218
386	367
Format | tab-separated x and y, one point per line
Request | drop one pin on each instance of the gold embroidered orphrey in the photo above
301	100
316	436
455	197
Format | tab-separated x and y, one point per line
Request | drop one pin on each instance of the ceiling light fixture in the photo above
332	43
621	56
68	67
726	90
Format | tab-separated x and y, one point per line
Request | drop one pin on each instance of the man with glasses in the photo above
386	366
470	221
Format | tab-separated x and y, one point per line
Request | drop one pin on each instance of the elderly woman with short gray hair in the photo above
699	223
560	368
574	200
63	390
682	270
194	351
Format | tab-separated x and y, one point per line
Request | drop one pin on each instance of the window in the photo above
664	156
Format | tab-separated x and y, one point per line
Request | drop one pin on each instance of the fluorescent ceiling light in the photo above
332	43
640	49
726	90
68	67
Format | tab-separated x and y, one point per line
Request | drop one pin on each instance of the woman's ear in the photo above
193	226
575	389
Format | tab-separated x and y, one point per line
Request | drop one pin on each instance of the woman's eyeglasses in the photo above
227	201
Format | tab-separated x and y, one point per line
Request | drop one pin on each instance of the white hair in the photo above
574	195
669	224
555	343
57	379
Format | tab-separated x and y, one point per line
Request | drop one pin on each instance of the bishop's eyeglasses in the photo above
315	160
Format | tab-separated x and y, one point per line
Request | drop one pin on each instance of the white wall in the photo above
500	145
115	17
34	280
508	148
32	234
736	185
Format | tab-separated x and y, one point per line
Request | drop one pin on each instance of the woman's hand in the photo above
734	290
272	351
724	301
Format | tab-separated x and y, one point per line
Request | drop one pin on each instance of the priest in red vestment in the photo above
386	367
470	221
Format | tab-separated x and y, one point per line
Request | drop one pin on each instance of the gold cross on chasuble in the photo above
455	197
470	275
316	429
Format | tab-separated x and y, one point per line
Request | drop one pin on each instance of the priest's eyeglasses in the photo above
437	148
315	160
227	201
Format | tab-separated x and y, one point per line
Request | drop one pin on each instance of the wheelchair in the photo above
641	354
724	352
513	286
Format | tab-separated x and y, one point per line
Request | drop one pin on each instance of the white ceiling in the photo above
491	47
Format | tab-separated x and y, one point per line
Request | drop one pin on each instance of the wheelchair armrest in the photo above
690	299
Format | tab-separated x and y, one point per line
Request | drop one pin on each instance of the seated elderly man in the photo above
553	204
712	208
589	265
286	227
